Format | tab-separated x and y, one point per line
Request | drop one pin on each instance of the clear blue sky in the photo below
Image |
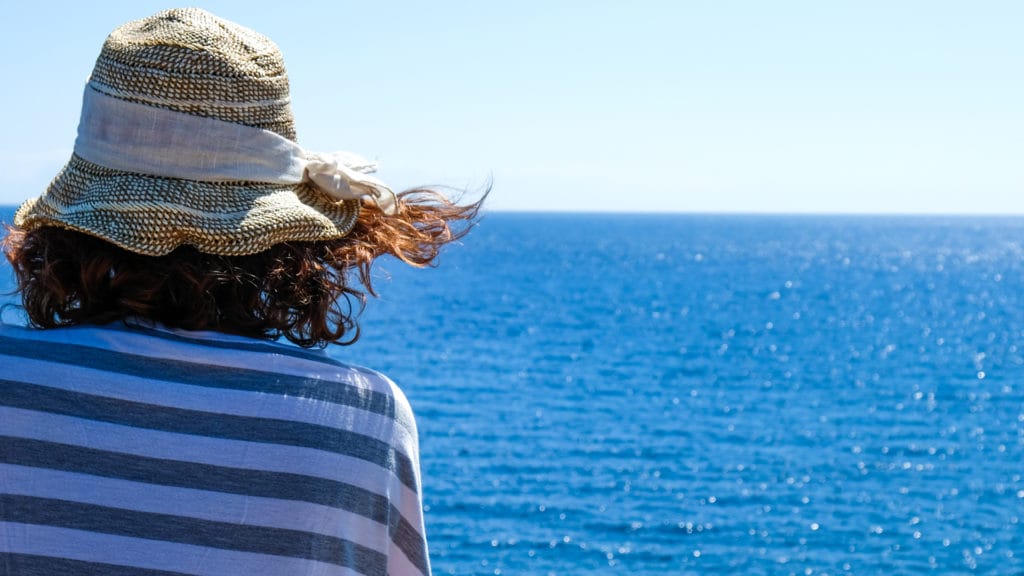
783	106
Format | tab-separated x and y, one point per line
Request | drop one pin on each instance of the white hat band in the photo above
131	137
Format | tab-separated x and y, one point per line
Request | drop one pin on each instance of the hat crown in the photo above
191	61
137	178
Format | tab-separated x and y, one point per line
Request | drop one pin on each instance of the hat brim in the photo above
153	215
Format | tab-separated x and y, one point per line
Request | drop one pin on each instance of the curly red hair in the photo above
300	290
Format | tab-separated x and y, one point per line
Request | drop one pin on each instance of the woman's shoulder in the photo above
169	351
206	361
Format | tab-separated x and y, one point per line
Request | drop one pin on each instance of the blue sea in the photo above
714	394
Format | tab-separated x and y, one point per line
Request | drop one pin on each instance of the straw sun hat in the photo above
187	137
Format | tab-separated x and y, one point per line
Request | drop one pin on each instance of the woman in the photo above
151	423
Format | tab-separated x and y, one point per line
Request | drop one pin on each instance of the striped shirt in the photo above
136	451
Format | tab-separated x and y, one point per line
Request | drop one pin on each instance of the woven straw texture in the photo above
190	61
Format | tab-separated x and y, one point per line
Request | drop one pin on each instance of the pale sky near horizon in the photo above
673	106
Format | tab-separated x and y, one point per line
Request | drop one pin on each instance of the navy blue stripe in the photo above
248	482
265	484
197	374
213	425
32	565
408	540
193	531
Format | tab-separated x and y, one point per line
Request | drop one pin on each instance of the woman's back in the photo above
145	450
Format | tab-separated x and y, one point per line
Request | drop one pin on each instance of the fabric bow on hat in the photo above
344	176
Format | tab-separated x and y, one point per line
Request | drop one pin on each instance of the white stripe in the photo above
190	503
213	451
153	554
